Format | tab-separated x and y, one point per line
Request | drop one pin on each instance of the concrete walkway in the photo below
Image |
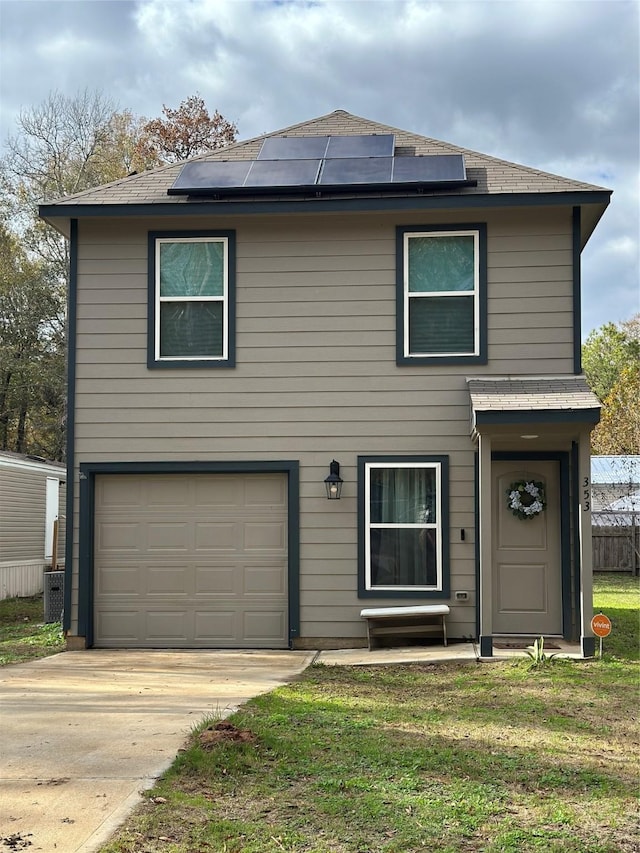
82	733
437	653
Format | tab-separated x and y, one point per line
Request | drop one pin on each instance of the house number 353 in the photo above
586	495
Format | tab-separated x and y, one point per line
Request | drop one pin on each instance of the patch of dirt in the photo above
224	732
17	841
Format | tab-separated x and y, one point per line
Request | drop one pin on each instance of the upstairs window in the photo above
441	294
191	289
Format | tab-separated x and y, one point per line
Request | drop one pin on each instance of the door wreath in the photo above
526	498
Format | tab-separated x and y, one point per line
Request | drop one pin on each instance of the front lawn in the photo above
23	634
401	759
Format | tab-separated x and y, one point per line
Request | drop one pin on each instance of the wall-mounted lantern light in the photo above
333	483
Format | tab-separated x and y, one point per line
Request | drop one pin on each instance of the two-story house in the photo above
339	310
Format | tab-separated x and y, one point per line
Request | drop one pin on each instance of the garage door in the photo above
190	561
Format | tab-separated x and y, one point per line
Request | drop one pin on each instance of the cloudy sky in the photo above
551	84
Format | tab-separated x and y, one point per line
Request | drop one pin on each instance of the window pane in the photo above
403	557
403	496
441	324
191	269
191	329
437	264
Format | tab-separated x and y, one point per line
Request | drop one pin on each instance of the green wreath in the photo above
526	498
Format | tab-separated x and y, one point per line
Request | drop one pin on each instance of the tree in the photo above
32	352
64	146
607	351
611	359
69	144
618	433
185	132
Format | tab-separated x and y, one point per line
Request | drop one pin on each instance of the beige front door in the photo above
526	566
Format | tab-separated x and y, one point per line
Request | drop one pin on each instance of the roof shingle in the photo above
532	393
493	176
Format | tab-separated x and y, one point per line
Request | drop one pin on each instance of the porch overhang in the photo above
552	401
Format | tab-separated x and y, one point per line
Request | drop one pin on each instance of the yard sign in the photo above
601	627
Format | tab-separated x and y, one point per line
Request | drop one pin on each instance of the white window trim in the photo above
224	298
368	526
421	295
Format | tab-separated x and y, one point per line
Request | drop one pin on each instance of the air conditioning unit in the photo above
53	596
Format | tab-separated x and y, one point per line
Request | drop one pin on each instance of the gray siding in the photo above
22	512
316	374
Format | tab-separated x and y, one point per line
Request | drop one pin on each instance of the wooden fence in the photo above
616	542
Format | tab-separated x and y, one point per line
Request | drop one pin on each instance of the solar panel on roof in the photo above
212	173
436	168
283	173
293	148
329	174
361	145
331	147
356	170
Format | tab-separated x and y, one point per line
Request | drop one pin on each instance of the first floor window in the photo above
191	299
404	505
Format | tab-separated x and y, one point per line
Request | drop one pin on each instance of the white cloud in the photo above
623	246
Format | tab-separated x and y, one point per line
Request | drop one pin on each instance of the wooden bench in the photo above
406	621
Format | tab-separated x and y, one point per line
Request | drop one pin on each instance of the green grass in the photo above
23	634
402	759
616	595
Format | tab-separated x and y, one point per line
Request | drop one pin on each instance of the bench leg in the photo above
444	630
369	636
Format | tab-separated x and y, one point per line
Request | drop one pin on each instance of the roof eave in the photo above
537	416
591	214
592	202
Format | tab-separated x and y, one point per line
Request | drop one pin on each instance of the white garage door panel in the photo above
260	625
213	627
120	626
188	561
265	581
215	580
212	536
166	627
117	580
117	536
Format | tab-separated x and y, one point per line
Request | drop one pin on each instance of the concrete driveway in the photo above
82	733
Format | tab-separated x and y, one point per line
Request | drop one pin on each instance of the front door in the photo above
526	565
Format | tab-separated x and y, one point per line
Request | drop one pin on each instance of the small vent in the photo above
405	151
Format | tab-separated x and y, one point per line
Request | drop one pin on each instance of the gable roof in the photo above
147	192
